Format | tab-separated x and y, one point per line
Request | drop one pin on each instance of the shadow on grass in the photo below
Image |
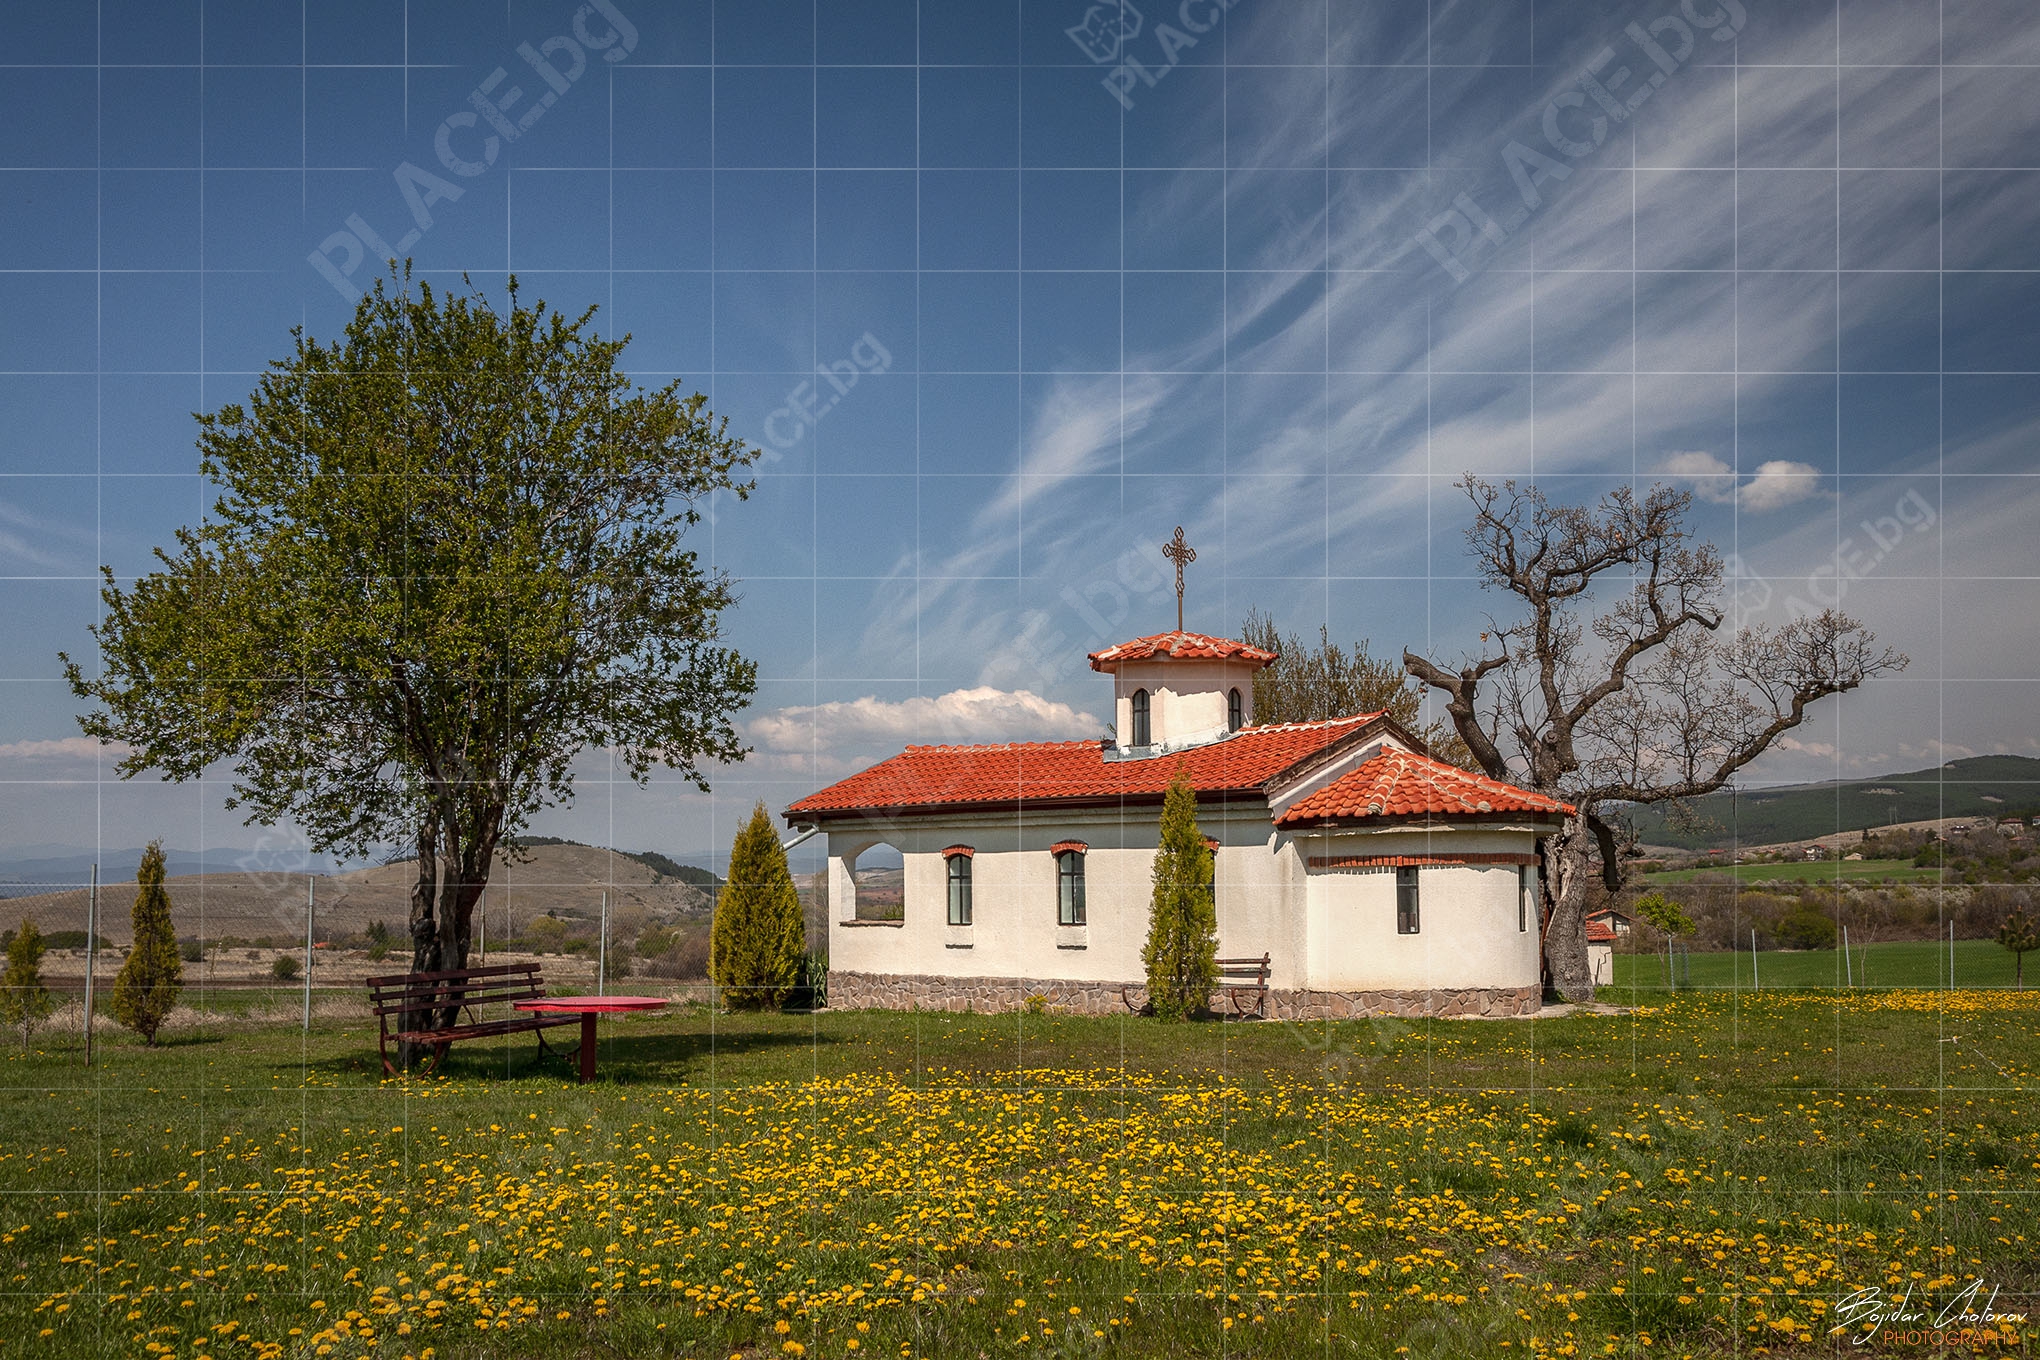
195	1037
623	1060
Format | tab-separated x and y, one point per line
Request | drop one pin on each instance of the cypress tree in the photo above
24	1000
1181	953
756	945
149	981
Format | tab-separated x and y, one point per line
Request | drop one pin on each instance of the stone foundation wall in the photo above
1448	1002
906	991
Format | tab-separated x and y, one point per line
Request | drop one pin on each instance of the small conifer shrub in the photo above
758	938
1181	953
153	975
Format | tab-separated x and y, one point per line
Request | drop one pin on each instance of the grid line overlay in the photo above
959	583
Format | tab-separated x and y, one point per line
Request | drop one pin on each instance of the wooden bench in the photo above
1238	979
401	1000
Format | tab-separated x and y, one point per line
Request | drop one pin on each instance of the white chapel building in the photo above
1375	878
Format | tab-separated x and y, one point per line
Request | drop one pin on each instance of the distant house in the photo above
1600	950
1612	919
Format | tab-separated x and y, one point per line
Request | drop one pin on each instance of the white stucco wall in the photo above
1468	934
1013	932
1330	929
1186	699
1601	964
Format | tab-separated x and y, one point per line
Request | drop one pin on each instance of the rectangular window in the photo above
1526	899
1406	900
1069	894
959	890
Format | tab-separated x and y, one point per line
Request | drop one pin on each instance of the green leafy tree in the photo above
24	1001
448	554
1806	927
1665	914
1312	683
153	975
758	937
1181	953
546	935
2018	934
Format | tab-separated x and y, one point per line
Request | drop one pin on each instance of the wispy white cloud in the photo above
982	714
79	754
16	527
1823	749
1774	485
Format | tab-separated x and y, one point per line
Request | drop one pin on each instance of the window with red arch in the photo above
957	859
1069	882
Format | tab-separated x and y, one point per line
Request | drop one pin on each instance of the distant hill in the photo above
38	869
1976	786
565	879
659	864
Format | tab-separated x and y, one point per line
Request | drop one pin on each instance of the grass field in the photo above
1704	1176
1922	964
1807	871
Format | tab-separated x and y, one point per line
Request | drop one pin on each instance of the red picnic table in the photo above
590	1007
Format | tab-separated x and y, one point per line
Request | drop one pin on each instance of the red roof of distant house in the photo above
1181	646
1048	771
1599	934
1398	783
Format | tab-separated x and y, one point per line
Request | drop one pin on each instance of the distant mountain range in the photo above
32	870
1976	786
41	868
263	901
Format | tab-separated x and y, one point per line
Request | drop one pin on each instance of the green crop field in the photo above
1924	963
1806	871
1706	1175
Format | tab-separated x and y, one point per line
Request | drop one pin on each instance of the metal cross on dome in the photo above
1180	553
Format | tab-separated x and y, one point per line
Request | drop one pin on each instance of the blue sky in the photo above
1277	273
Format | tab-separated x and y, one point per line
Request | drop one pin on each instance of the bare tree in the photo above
1645	701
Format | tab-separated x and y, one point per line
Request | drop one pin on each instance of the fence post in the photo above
1755	985
310	889
602	950
91	956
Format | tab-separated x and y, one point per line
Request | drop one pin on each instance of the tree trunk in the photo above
424	937
1567	867
456	903
424	926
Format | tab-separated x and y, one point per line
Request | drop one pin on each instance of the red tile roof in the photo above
1599	934
1398	783
1180	646
1417	861
1041	772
